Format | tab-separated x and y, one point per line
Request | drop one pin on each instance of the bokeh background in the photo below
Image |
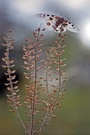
19	15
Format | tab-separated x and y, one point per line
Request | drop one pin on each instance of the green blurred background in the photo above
73	118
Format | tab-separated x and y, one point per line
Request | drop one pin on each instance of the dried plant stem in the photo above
43	76
35	85
47	78
34	94
9	64
50	110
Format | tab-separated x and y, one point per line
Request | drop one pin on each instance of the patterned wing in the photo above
71	27
58	23
53	22
47	17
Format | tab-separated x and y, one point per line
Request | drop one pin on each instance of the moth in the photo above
58	24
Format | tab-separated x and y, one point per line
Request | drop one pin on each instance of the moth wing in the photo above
42	16
50	20
71	27
47	17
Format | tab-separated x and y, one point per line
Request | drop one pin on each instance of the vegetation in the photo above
44	76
